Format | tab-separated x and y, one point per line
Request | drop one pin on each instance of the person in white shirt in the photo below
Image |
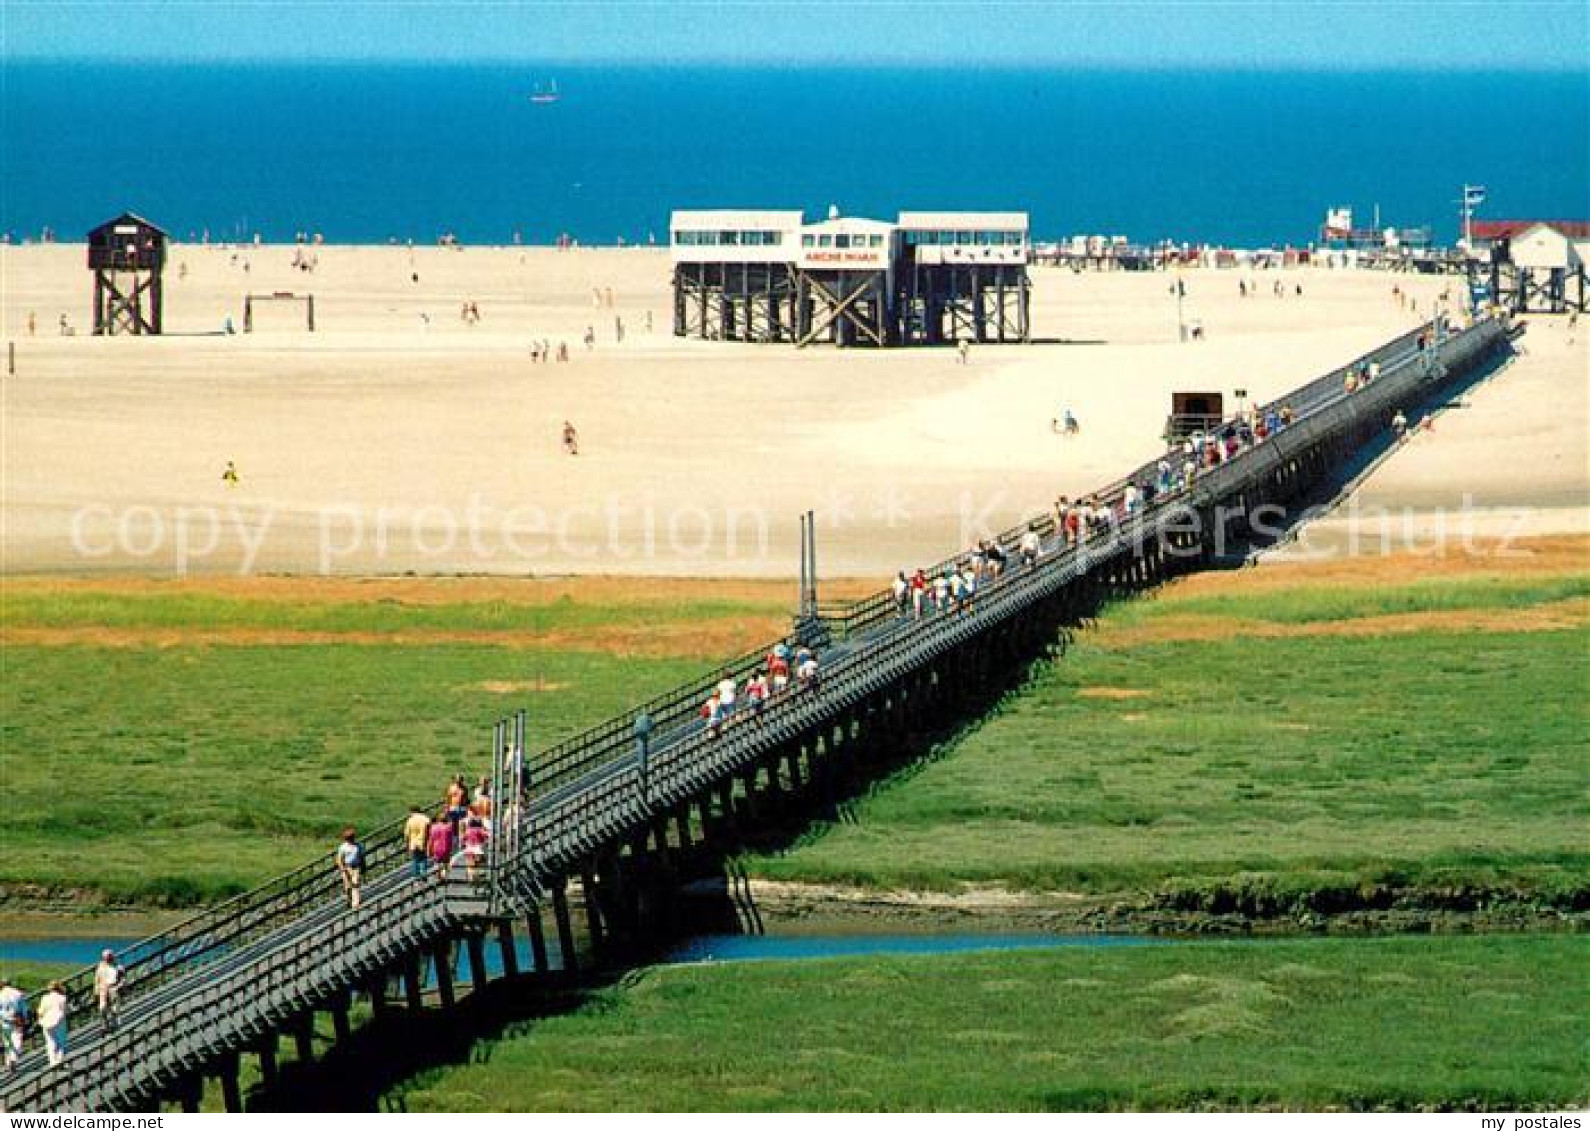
1031	546
13	1021
107	988
726	690
53	1010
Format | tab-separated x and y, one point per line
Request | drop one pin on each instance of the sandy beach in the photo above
397	437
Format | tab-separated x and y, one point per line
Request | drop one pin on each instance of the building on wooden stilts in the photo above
932	278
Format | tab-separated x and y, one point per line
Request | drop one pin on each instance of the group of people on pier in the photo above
54	1012
782	670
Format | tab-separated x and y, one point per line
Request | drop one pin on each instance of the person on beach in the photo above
54	1009
13	1022
33	323
964	349
563	351
590	337
1399	424
229	475
416	838
350	866
108	976
571	439
618	330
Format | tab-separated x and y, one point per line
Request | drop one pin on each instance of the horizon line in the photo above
945	63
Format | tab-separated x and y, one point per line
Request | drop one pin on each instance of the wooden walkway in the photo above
234	980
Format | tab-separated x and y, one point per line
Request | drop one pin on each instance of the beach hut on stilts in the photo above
127	256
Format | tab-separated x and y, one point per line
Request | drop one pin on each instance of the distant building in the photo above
928	278
1533	265
1490	234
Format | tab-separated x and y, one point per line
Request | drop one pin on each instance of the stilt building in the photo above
929	278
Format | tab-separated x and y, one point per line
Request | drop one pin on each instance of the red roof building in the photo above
1489	231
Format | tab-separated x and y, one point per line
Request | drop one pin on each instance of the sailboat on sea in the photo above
542	97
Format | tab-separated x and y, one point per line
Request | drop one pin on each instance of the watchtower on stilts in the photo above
127	255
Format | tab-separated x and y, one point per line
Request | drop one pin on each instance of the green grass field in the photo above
1264	766
175	773
1477	1022
178	775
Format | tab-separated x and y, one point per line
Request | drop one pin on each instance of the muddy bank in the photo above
754	906
776	907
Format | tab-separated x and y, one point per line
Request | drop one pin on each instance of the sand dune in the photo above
397	437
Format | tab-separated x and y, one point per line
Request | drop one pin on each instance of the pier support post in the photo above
339	1018
505	944
560	912
266	1052
304	1036
593	912
538	940
231	1090
442	961
414	983
475	944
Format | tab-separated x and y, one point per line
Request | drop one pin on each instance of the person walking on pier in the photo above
1031	547
54	1008
350	865
712	712
901	589
13	1022
107	988
756	692
439	843
416	838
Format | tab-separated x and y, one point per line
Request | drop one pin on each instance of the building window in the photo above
963	237
825	241
808	241
875	241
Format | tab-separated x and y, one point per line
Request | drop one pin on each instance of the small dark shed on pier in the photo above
127	255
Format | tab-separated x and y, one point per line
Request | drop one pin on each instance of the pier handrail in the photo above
152	961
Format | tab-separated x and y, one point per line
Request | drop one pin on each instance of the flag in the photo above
1473	195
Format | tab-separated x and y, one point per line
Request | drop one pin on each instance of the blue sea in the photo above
365	153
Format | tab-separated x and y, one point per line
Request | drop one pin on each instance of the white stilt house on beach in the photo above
929	278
